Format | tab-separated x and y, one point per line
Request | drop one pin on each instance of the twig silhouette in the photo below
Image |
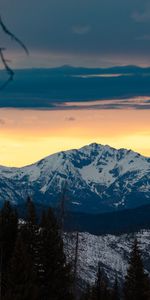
8	32
3	59
9	71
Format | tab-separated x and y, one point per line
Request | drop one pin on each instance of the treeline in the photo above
33	265
117	222
32	261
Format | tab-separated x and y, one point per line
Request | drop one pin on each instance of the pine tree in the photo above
32	238
37	270
100	289
87	294
43	219
75	266
8	234
21	283
56	272
30	228
115	290
8	231
31	212
136	286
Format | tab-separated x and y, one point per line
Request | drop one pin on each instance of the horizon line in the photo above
72	149
80	67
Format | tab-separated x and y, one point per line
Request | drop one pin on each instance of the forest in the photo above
33	264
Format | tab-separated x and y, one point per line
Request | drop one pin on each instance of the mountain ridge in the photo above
98	178
124	68
76	149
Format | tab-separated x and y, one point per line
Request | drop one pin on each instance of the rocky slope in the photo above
111	251
95	179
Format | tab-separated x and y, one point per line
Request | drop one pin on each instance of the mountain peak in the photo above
96	146
99	178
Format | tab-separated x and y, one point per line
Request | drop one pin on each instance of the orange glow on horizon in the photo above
29	135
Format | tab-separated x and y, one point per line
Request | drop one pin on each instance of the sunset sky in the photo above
41	113
28	135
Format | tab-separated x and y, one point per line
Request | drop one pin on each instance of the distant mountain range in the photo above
92	180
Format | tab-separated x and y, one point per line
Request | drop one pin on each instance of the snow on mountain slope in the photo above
97	178
111	251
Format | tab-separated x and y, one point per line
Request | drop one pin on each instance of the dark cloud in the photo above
70	119
86	28
69	88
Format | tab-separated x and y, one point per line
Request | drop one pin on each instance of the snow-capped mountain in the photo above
94	179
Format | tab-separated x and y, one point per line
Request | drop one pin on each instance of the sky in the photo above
87	32
27	135
41	116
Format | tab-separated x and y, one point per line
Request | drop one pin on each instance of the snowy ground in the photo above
110	250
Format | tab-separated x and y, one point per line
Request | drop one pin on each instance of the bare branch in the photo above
3	59
9	33
9	71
